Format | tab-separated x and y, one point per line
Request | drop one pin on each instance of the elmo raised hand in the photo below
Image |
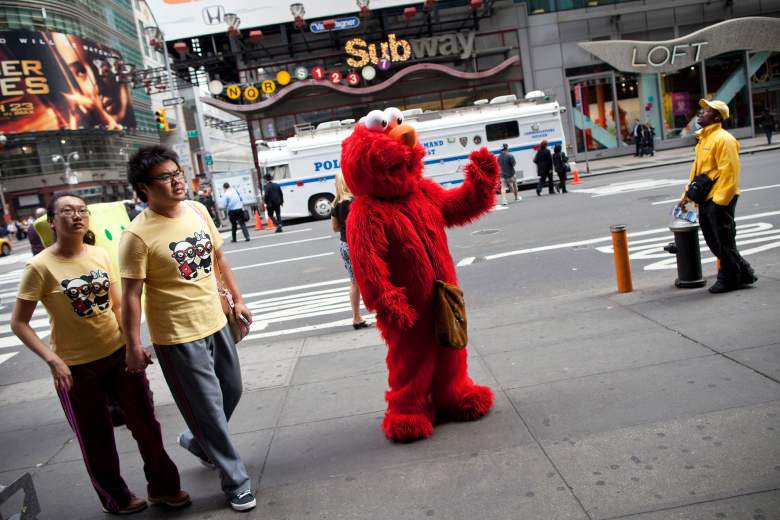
398	246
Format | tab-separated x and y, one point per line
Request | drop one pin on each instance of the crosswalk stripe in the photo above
6	357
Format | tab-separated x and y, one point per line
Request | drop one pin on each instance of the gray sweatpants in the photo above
205	379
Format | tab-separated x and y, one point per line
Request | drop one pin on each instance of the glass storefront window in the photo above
680	92
595	118
727	81
629	104
765	84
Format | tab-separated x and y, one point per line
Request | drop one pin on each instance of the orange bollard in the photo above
622	264
269	221
717	264
258	221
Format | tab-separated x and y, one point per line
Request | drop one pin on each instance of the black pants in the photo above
562	181
275	214
768	132
719	230
236	217
638	144
545	178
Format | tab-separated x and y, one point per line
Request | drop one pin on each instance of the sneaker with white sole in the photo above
243	501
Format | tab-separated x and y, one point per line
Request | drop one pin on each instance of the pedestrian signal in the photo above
162	120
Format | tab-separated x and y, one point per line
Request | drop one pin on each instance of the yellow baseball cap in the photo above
715	104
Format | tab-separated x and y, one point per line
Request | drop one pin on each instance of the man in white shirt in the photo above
234	207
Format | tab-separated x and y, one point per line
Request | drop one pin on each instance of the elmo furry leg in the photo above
455	396
410	413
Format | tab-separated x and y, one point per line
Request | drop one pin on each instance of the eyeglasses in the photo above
69	212
169	177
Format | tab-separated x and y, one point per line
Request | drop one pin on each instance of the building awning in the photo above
310	86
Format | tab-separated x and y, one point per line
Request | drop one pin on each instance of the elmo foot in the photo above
471	403
406	427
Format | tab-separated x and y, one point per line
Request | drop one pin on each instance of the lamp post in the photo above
71	177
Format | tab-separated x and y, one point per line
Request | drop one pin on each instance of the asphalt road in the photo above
534	249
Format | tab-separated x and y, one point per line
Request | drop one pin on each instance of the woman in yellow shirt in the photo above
77	285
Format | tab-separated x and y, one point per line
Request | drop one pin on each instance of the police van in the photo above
305	165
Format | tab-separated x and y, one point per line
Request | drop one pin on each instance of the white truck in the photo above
305	166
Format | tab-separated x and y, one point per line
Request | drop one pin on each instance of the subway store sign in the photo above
397	50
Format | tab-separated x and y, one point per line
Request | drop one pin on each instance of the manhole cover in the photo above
486	232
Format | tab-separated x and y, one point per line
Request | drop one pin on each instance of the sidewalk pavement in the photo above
664	157
662	403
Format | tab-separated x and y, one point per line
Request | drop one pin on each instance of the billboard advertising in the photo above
55	81
186	18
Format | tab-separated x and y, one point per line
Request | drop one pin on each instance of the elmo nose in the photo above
404	133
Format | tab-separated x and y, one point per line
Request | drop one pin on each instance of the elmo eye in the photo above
376	121
394	116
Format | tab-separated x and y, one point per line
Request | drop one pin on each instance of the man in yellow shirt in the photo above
173	251
717	157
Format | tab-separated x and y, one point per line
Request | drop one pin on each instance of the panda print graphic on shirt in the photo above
191	254
88	291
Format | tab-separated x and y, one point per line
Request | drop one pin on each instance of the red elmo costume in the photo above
398	247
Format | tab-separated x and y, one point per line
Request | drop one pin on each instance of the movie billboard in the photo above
56	81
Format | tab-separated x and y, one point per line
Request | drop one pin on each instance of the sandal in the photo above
361	325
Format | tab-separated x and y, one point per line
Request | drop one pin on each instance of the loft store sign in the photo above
660	55
362	53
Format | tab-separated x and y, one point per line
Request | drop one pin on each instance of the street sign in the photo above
233	91
318	72
192	133
268	86
251	93
341	23
173	101
208	159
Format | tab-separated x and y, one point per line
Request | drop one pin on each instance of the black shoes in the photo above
748	279
719	287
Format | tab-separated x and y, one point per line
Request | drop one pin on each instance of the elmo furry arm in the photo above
369	251
478	193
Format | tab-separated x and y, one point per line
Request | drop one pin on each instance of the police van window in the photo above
499	131
281	171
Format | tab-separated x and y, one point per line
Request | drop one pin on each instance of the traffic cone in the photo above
258	221
269	220
576	174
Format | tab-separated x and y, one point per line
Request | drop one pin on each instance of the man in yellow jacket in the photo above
717	156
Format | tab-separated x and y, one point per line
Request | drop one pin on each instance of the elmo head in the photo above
382	157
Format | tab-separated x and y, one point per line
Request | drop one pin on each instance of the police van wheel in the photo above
319	206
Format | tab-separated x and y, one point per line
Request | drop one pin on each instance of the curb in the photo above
748	151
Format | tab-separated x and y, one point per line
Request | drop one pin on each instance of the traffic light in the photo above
162	120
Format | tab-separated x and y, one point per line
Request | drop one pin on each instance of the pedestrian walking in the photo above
172	251
274	200
506	161
338	221
11	228
636	133
544	168
36	244
561	167
77	285
716	171
768	124
234	208
648	140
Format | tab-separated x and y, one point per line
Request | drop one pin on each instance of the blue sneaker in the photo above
243	501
